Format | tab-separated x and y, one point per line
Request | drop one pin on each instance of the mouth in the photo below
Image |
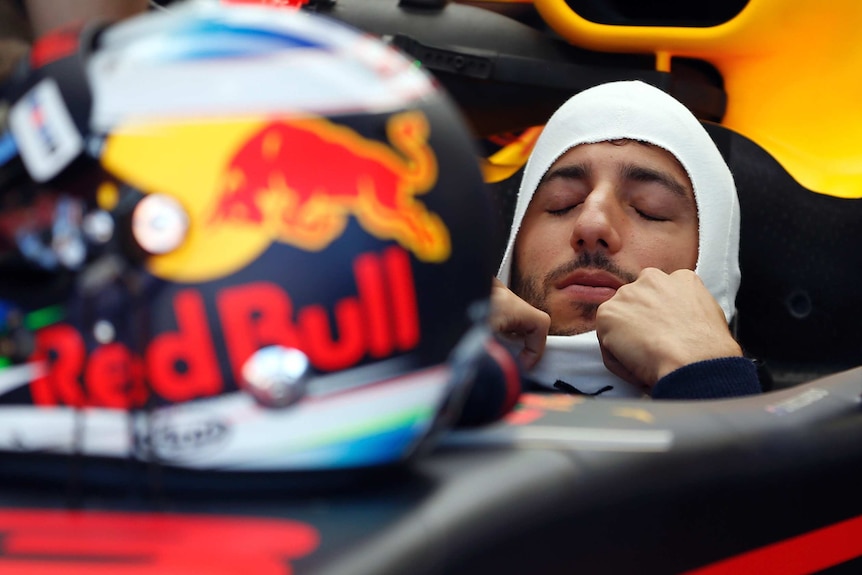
589	286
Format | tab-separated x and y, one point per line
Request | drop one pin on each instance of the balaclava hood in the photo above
636	111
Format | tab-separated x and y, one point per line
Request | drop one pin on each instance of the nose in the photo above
597	223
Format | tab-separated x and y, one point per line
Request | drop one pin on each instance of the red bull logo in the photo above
247	182
380	320
302	179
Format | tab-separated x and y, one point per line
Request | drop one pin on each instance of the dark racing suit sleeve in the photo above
711	379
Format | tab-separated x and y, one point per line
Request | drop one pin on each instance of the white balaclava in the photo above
635	111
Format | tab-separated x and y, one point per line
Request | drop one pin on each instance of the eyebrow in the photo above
632	172
641	174
568	172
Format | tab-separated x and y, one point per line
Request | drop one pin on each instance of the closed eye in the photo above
564	188
649	217
561	211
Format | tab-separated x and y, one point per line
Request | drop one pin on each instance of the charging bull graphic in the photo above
249	182
303	179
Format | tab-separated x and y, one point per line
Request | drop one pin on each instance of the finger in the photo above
534	345
510	315
530	325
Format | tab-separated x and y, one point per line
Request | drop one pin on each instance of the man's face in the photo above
601	214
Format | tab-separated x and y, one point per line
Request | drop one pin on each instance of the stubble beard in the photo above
535	291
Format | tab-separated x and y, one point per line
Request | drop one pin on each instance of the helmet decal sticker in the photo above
258	315
159	224
44	130
59	385
381	320
113	375
354	176
294	181
183	365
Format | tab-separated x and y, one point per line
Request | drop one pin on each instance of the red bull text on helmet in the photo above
381	319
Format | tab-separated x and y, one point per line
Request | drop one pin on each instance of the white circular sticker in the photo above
159	224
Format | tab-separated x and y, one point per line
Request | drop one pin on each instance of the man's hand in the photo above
512	316
660	323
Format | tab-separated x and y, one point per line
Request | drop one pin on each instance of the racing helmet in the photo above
268	246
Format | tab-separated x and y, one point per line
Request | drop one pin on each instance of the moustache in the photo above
591	260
